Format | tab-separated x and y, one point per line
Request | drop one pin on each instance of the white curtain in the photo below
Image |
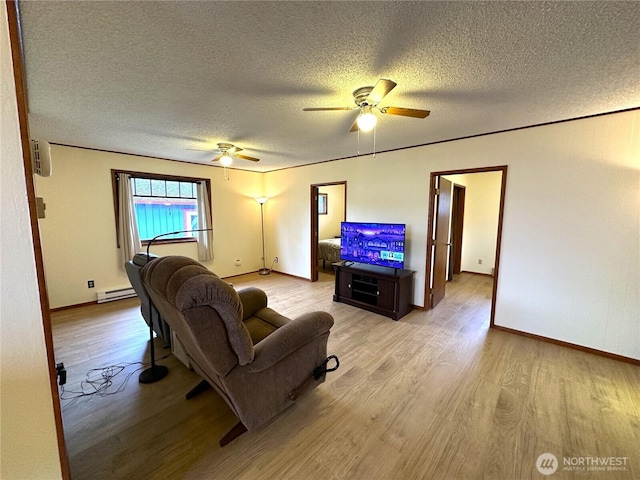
205	239
128	227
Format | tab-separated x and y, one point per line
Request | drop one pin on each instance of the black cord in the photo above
100	381
321	369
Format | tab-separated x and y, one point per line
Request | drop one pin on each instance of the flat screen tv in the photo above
373	243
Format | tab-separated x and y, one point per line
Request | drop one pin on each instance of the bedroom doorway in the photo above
328	211
473	198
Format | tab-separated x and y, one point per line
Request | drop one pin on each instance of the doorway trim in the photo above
457	227
313	214
13	21
430	229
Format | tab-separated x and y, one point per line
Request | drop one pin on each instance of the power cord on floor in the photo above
100	381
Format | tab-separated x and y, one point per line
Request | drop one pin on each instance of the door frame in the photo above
313	214
430	229
15	41
457	227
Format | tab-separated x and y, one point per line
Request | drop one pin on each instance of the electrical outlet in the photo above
275	259
91	284
479	261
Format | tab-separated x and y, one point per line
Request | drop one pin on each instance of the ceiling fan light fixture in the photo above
366	120
225	160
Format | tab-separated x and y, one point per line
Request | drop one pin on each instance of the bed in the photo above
329	250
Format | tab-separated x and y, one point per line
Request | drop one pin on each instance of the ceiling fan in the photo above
367	99
228	152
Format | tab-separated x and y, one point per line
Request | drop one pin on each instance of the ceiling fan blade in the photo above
234	149
406	112
380	90
354	127
217	158
244	157
319	109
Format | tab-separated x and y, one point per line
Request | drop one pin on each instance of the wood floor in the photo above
436	395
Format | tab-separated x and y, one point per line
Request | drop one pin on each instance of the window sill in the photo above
161	241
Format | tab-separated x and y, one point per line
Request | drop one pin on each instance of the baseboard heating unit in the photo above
111	295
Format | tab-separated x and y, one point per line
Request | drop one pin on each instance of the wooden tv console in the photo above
382	290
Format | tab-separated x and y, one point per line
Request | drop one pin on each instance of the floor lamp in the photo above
158	372
262	200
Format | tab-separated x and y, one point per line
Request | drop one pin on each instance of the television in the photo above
373	243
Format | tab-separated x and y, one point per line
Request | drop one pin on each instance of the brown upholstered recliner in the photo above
149	312
254	357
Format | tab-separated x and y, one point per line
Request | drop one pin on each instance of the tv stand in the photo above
384	290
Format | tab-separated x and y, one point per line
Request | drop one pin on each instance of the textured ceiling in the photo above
160	78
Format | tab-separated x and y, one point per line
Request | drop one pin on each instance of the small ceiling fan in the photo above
367	100
228	152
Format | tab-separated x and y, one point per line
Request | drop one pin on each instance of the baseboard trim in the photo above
75	305
573	346
292	276
272	271
477	273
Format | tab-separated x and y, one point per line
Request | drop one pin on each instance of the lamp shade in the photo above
366	121
261	200
226	160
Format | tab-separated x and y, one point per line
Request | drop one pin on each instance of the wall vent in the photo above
41	157
111	295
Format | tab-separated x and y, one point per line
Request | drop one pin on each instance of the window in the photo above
322	203
163	204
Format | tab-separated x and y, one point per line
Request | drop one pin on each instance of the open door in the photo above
440	242
314	233
457	226
333	211
441	245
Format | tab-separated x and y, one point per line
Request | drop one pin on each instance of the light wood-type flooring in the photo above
436	395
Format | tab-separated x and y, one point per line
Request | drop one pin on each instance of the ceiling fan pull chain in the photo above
374	141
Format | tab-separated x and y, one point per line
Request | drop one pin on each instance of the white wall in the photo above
28	443
79	236
569	264
481	210
329	224
571	233
570	258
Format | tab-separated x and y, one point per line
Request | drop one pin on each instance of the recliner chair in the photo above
133	268
258	360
